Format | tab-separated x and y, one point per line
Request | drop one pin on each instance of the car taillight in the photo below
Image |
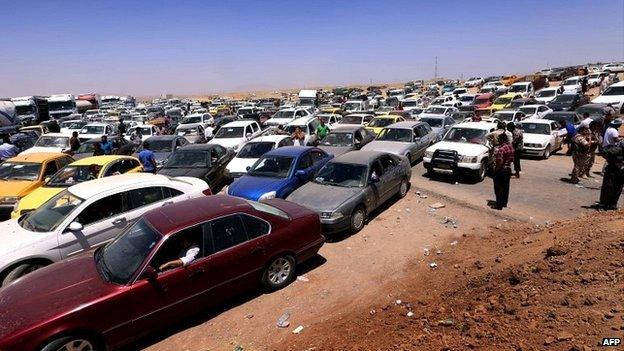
207	192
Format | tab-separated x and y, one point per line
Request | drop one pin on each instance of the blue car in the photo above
279	172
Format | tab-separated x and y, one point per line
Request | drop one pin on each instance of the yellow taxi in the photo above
380	122
221	109
77	172
22	174
502	101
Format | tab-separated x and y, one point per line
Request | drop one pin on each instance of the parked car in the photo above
440	125
573	84
163	145
146	130
437	111
503	101
594	79
341	140
596	111
616	67
546	95
356	119
507	116
484	100
467	99
195	134
23	174
564	117
464	150
235	134
509	80
614	96
119	294
567	102
517	103
204	161
84	216
542	137
253	150
287	115
73	173
279	172
524	88
194	120
381	121
351	186
74	125
50	142
308	125
96	130
331	119
474	82
408	139
121	146
535	111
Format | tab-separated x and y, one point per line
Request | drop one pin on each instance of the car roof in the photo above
409	124
94	187
345	129
272	138
36	157
358	157
301	121
293	151
475	125
169	219
241	123
99	160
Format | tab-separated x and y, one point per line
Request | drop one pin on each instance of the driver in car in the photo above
188	253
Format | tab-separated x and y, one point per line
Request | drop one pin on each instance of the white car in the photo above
615	67
498	86
466	99
541	137
84	216
50	142
308	126
203	119
410	104
253	150
474	82
235	134
546	95
573	84
397	93
356	119
535	111
524	88
464	150
507	116
352	106
96	130
146	130
437	111
459	91
442	99
287	115
613	95
594	79
74	125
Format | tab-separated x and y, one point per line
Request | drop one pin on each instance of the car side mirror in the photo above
75	227
447	127
248	168
300	173
150	274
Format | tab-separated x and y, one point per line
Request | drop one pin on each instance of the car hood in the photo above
535	138
17	187
239	165
14	238
336	150
320	197
394	147
184	171
465	149
38	197
226	142
608	99
34	149
50	292
431	115
253	187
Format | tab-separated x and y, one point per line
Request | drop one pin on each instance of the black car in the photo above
121	146
597	112
568	102
203	161
564	117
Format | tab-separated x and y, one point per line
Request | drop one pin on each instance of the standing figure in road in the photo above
581	153
298	137
595	133
147	158
613	179
504	157
517	142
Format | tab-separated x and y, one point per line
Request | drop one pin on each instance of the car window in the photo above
316	156
127	164
144	196
387	162
255	226
101	209
286	142
113	169
226	232
304	162
178	243
63	161
50	169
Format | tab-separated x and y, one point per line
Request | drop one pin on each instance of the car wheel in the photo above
358	219
73	343
21	271
279	273
403	188
547	152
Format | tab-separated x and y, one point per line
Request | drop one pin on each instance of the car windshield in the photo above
24	110
338	139
160	145
481	101
564	98
546	93
143	131
466	135
381	122
272	166
342	174
52	141
502	116
86	147
516	103
571	82
188	131
528	110
614	91
194	119
434	122
230	132
517	88
410	103
71	175
466	98
60	105
291	128
51	214
352	120
436	110
255	149
536	128
395	134
118	260
73	125
284	114
502	100
92	130
20	171
266	208
188	159
352	105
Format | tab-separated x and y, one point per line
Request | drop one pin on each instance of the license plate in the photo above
443	166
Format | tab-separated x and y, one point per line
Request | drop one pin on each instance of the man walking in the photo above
322	130
517	142
504	156
613	179
581	153
146	156
74	143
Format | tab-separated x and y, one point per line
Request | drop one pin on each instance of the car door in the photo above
304	164
557	139
216	169
392	179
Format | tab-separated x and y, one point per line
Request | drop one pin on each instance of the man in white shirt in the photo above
188	253
209	132
612	136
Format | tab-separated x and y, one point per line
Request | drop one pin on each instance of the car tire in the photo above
20	271
74	342
279	273
358	219
403	188
547	152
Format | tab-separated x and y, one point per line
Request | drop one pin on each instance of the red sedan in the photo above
174	261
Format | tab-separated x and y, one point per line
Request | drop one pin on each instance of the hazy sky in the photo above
193	47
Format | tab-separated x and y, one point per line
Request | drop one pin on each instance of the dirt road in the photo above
370	266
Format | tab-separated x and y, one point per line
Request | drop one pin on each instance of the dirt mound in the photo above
515	287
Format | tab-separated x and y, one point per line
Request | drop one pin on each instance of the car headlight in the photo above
269	195
428	154
9	200
332	215
469	159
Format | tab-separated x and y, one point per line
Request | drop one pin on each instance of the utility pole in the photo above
435	75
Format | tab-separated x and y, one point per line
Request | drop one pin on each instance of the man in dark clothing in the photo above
613	179
54	127
122	127
74	142
504	156
518	144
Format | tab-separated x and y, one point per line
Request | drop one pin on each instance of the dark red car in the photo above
484	100
113	295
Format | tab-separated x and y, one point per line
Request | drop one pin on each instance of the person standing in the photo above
500	129
596	141
571	132
122	127
613	179
106	145
136	137
604	84
298	137
322	130
612	134
581	153
97	149
74	143
517	141
7	150
504	157
209	131
146	156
